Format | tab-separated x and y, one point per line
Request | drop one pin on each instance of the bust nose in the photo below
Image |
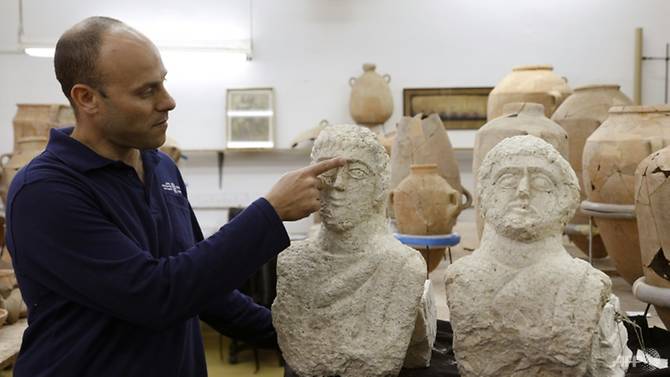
340	178
523	190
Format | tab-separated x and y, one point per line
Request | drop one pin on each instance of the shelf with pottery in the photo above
10	342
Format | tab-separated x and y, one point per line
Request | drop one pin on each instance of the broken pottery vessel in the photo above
27	149
349	301
371	102
425	204
530	83
652	208
35	120
520	305
611	155
425	141
518	119
580	115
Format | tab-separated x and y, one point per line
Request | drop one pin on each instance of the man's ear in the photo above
86	99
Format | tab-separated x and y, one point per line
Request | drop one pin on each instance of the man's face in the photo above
522	202
135	104
348	196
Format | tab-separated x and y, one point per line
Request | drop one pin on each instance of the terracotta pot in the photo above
371	102
579	115
424	202
611	155
425	141
14	305
518	119
35	120
3	316
7	282
531	83
27	149
652	209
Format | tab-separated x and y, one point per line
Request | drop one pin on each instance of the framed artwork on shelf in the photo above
459	108
250	118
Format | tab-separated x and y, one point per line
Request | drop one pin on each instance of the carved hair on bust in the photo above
358	190
527	189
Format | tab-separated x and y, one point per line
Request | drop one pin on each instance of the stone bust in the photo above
520	305
347	299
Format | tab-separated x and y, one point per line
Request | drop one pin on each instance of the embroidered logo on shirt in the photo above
169	186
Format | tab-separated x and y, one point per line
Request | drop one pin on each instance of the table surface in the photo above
10	342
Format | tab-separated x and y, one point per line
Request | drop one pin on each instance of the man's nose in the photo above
166	103
524	185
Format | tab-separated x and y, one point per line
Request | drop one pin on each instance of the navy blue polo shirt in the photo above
115	272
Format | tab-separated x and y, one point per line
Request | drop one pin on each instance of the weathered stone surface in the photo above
520	305
347	300
425	331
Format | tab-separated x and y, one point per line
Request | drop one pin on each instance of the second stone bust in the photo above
348	300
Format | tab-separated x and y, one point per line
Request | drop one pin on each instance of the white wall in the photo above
307	50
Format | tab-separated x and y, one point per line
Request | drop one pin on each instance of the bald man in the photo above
107	251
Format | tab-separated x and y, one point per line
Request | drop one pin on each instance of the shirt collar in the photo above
80	157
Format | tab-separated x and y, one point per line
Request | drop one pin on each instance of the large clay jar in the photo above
370	103
580	115
425	204
35	120
517	119
611	155
425	141
27	149
652	209
531	83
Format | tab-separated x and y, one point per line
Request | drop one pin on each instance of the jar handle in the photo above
352	81
387	77
468	199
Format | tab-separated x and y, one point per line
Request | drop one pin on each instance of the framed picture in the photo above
459	108
250	118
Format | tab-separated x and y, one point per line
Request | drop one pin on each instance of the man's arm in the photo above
60	238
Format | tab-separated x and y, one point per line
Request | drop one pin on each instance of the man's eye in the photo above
357	173
508	181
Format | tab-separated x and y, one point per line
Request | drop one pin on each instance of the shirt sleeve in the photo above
237	316
64	241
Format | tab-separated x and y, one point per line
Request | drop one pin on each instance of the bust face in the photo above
348	193
522	201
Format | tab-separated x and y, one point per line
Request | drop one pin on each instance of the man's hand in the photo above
296	194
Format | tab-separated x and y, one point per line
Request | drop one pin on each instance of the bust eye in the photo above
357	173
508	180
541	182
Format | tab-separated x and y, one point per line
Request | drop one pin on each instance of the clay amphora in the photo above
425	204
531	83
518	119
579	115
35	120
27	149
425	141
652	209
370	103
14	305
611	155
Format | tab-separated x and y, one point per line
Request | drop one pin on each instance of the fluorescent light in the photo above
250	113
40	52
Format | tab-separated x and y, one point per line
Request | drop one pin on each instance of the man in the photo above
108	254
347	300
520	305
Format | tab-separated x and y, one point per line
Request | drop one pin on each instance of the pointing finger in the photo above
324	166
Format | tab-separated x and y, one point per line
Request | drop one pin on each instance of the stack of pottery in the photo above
32	123
580	115
425	141
517	119
425	204
10	297
370	103
652	209
532	83
611	155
